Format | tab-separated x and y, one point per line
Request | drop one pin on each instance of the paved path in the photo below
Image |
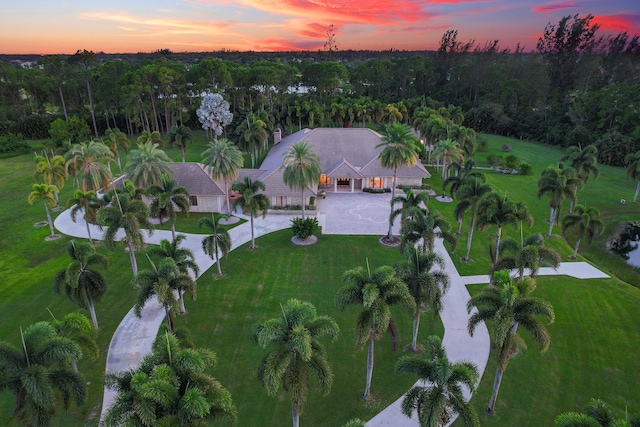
134	336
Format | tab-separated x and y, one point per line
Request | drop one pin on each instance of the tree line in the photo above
578	87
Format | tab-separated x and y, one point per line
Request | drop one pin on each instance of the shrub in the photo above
510	163
494	160
13	144
376	190
303	228
482	145
525	168
506	147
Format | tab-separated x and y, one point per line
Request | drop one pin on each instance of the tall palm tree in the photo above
426	227
147	164
166	198
253	134
460	176
183	258
218	242
448	151
180	136
172	386
251	202
410	201
584	161
81	281
37	373
90	160
150	137
78	328
374	293
52	171
115	138
301	168
223	159
598	414
558	187
573	182
470	194
87	202
633	170
497	209
583	222
162	281
442	395
397	151
529	252
44	192
427	287
295	353
507	305
132	216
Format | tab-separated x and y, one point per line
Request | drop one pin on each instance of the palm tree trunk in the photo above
118	159
49	219
89	231
295	416
444	167
173	228
635	197
459	226
416	325
64	106
226	192
93	114
575	250
253	241
470	237
74	364
393	195
182	149
497	251
303	203
132	257
551	221
218	262
167	313
494	393
92	310
181	298
367	389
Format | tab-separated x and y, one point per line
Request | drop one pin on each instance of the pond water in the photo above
626	243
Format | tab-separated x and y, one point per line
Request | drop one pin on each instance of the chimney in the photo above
277	136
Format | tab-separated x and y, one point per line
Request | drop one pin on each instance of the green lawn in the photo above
593	351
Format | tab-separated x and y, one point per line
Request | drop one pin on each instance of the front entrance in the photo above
343	184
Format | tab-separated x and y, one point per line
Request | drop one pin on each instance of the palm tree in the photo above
90	160
150	137
633	170
529	253
181	136
37	372
117	139
499	210
161	281
427	287
88	202
508	305
375	293
301	168
45	193
51	170
183	258
397	151
172	386
448	151
223	159
442	395
251	202
253	134
81	281
470	194
410	201
295	353
583	222
147	164
132	216
77	327
460	176
425	227
219	241
598	414
584	161
558	187
166	198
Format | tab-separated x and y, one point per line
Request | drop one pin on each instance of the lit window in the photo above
193	200
375	182
325	180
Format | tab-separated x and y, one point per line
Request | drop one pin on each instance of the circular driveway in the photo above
356	213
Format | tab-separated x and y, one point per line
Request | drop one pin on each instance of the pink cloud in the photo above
621	22
554	7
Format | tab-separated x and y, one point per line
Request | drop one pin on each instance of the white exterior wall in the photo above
209	204
409	181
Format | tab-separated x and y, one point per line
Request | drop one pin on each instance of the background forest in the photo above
577	87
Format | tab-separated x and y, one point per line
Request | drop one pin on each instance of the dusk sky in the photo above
117	26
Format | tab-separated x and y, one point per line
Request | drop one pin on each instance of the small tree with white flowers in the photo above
214	114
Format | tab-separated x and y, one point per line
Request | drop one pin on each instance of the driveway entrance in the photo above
356	213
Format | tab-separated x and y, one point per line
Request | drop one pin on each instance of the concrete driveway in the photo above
356	213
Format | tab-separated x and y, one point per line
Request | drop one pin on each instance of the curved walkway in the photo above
134	336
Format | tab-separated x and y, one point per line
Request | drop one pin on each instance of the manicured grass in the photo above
593	353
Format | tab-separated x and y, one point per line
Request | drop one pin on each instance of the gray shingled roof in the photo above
343	169
196	180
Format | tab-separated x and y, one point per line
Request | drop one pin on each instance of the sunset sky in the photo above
117	26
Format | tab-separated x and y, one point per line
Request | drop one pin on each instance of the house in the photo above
348	162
